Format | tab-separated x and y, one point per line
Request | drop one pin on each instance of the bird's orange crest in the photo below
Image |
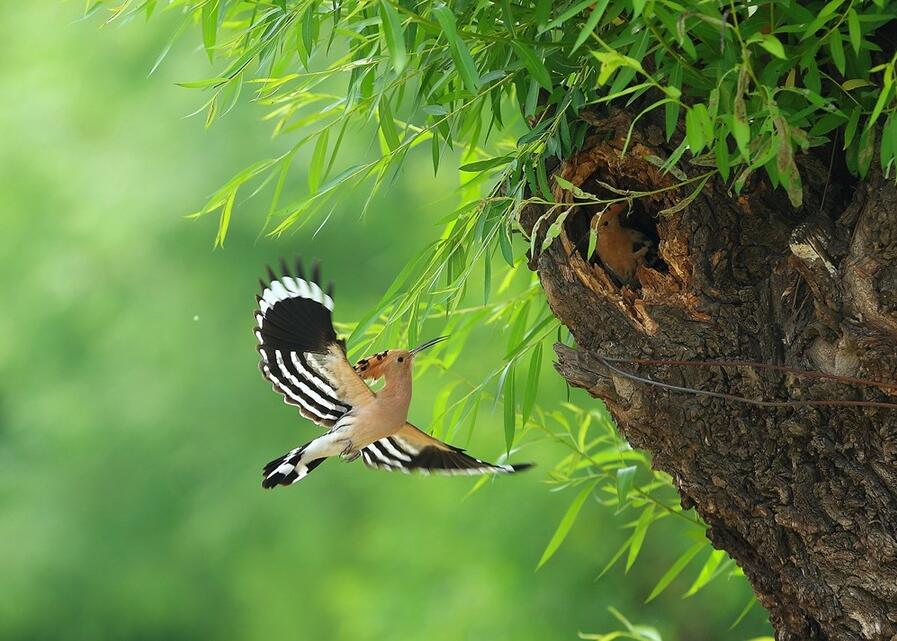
371	367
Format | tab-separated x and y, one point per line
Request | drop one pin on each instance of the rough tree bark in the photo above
803	497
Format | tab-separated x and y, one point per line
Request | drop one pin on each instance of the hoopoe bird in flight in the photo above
305	362
620	248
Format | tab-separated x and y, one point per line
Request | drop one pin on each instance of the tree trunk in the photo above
802	495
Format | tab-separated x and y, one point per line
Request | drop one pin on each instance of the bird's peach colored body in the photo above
374	415
620	248
387	412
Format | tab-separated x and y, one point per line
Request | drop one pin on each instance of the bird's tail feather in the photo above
289	468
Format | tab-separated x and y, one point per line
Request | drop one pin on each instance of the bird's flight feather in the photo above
412	450
300	353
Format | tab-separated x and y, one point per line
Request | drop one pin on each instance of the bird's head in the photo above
610	217
392	362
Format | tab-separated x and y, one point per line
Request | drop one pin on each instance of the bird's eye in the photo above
401	359
605	223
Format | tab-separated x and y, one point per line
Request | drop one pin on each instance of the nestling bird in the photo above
305	362
621	249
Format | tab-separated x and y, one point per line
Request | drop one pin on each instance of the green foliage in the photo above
635	632
567	522
757	82
630	631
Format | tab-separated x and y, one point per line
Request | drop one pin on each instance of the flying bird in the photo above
306	363
621	249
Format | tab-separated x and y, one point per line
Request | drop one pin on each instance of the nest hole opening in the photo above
639	217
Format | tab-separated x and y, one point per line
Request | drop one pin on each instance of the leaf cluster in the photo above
749	84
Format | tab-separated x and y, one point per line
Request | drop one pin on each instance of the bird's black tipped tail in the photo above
289	468
520	467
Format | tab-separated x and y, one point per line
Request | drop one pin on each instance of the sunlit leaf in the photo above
625	477
707	571
853	28
388	125
571	11
392	33
463	60
588	28
316	165
836	46
638	535
773	46
850	85
824	15
489	163
504	242
567	521
224	220
673	107
744	612
532	383
510	408
169	44
209	25
675	570
533	64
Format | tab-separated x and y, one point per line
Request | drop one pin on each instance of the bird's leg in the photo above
349	453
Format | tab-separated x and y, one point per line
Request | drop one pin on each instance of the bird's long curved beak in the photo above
429	343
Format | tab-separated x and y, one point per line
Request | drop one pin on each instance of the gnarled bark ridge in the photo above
804	497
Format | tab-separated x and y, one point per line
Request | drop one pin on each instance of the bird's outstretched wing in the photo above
411	450
300	353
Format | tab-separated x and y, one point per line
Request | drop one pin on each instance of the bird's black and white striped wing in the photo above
300	353
411	450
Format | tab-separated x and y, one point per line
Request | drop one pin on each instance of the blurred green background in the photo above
134	422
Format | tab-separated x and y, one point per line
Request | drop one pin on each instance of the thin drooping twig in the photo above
743	399
804	373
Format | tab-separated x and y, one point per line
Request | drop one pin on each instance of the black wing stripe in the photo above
393	453
396	453
296	396
291	398
376	458
381	456
314	376
299	383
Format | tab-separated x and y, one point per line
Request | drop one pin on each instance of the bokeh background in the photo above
134	422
